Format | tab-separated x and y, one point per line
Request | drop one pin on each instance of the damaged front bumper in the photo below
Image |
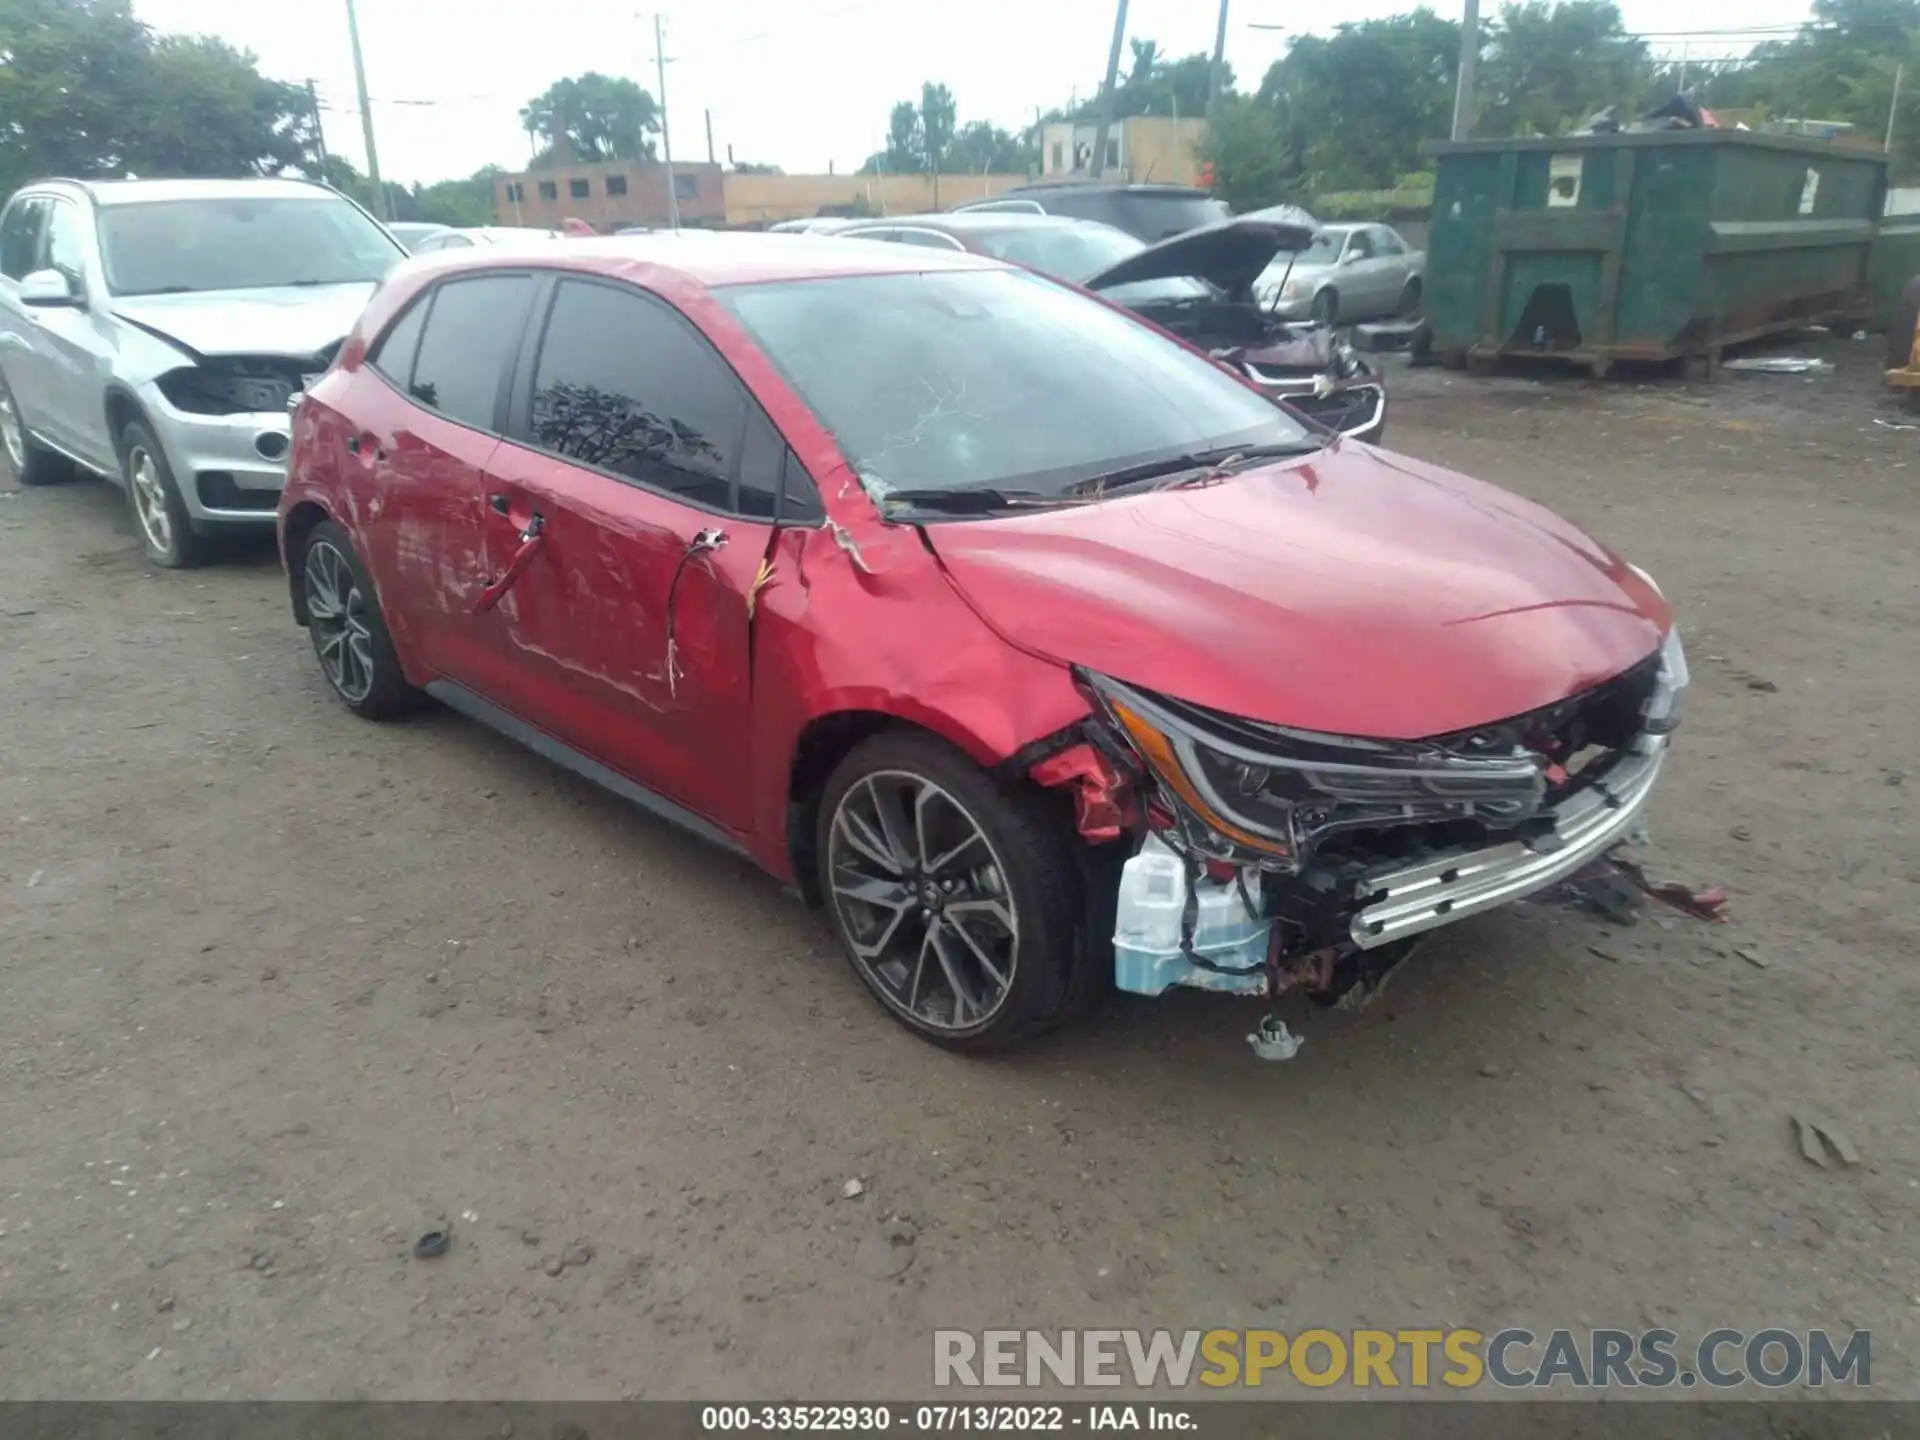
1355	407
1398	902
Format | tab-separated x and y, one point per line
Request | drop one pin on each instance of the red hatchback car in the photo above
1038	647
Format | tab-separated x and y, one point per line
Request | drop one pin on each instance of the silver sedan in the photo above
1350	272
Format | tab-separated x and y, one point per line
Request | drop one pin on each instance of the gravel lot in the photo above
280	990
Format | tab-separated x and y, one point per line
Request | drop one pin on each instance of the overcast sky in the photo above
790	84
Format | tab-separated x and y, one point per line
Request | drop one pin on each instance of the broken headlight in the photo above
1661	711
1246	786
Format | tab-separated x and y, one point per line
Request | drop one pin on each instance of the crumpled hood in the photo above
1230	255
1308	351
1352	592
286	320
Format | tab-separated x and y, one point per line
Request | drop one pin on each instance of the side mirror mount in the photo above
48	289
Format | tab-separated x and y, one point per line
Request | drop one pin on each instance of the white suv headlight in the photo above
1661	712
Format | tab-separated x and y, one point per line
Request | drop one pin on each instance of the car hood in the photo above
1230	255
286	320
1353	592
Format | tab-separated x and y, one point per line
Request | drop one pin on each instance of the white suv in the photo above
154	331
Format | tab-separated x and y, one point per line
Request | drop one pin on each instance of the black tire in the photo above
1410	299
160	516
31	462
1325	309
1026	862
348	630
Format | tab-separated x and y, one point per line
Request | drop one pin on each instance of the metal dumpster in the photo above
1657	246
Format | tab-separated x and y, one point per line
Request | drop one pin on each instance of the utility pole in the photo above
666	135
380	206
1463	86
709	115
1219	59
319	131
1107	96
933	160
1893	106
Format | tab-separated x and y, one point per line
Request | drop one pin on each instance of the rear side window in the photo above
393	355
471	334
20	236
623	384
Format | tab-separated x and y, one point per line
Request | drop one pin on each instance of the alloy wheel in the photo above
12	434
923	901
337	618
150	499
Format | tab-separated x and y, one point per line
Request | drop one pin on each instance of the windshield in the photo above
1156	216
1080	252
166	247
994	378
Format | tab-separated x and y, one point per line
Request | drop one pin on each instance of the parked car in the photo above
947	593
467	237
1348	273
410	233
1147	212
153	331
1198	285
813	225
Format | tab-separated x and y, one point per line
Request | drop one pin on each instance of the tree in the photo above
601	117
921	136
1550	65
1255	157
456	202
982	148
1153	85
936	124
206	110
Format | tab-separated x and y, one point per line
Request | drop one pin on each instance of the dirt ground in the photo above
280	990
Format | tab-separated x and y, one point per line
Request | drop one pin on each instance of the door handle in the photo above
530	539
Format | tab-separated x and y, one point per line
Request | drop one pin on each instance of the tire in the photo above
30	462
153	499
1410	298
349	633
1325	309
999	859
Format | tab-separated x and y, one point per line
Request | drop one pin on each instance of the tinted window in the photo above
1386	242
993	378
393	356
1359	246
20	237
63	249
623	384
762	454
471	333
156	247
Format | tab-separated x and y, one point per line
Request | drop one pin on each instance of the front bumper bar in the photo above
1395	903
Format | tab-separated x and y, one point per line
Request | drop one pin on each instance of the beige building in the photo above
765	199
1141	149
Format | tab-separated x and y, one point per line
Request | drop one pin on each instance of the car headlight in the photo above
1293	290
1661	712
1244	786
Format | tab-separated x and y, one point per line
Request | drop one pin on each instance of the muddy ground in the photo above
280	990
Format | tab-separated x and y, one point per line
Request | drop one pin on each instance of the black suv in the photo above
1150	212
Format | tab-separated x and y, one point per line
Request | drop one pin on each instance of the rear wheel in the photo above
31	462
348	631
1326	307
953	892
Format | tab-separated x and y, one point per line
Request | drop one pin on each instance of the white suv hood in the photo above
295	320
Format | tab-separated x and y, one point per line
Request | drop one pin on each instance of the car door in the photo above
1359	280
76	342
631	508
1395	268
429	426
21	360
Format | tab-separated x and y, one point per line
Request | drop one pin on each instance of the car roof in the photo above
715	258
137	192
1105	186
969	222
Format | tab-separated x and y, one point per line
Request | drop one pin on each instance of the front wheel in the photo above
159	514
953	893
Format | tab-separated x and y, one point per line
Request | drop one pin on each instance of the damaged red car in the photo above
1040	650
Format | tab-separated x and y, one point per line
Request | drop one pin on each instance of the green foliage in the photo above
920	135
1549	66
87	90
602	117
1153	85
1255	160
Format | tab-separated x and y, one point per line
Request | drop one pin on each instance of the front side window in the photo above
471	332
624	385
994	379
20	236
1359	247
169	247
393	356
64	250
1387	242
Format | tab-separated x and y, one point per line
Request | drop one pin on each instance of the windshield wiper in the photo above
972	500
1220	461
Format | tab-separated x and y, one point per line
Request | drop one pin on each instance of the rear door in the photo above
650	479
429	427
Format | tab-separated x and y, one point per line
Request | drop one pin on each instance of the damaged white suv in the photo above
153	331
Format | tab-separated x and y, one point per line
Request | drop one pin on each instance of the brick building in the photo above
610	194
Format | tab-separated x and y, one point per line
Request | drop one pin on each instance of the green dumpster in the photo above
1657	246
